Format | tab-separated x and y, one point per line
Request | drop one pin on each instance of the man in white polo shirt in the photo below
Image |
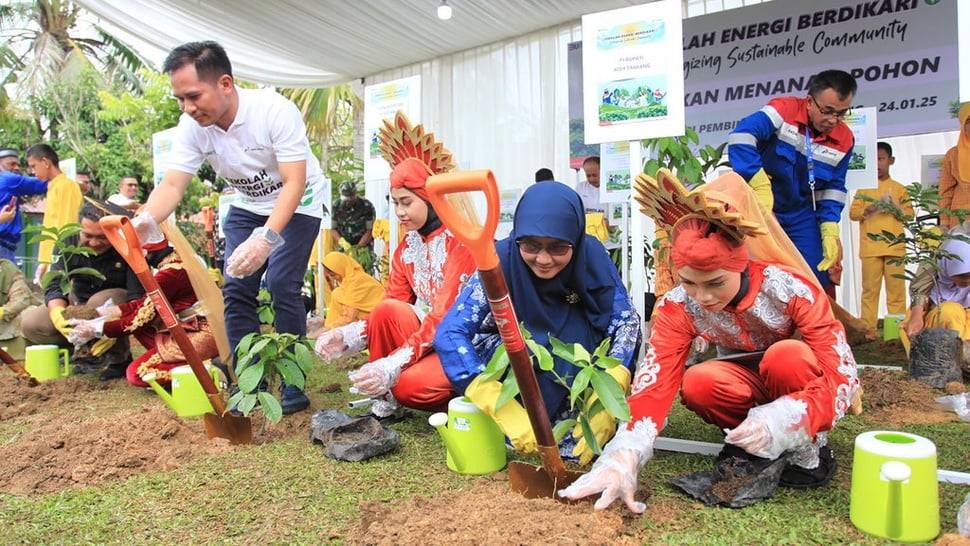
256	140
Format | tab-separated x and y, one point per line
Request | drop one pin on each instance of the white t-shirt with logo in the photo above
268	130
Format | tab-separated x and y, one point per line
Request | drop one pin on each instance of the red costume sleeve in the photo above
173	281
657	380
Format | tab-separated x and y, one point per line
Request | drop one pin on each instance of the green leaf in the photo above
610	394
245	343
496	366
565	351
90	271
250	378
603	349
563	428
542	355
510	389
589	435
578	389
304	356
235	399
246	405
271	407
292	374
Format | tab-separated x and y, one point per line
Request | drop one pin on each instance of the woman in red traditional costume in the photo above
428	270
741	291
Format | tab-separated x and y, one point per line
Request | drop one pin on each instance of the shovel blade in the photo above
534	482
237	429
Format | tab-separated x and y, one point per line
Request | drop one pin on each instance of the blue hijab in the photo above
552	209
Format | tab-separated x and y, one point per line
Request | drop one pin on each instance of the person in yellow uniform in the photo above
353	293
64	199
877	256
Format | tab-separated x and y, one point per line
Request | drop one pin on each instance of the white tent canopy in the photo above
296	43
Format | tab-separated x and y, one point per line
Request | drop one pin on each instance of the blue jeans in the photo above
284	271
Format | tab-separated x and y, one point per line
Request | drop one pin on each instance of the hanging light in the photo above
444	11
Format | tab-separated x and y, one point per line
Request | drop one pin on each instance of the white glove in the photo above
252	253
377	377
772	429
83	331
615	472
147	229
109	310
347	339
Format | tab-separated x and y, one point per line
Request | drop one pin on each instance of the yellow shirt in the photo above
64	202
881	220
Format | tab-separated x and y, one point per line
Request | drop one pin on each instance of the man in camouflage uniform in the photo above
353	219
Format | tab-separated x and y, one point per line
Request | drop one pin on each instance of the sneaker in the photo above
797	477
293	400
114	371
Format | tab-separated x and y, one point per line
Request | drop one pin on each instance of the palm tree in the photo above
43	43
332	116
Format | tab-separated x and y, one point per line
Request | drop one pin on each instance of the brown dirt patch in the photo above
73	450
83	312
470	517
63	447
893	398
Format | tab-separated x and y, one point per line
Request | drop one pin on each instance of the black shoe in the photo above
293	400
86	365
114	371
796	477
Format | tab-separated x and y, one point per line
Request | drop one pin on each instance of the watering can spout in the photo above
440	421
159	390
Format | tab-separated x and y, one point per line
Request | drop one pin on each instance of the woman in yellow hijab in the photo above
955	174
354	294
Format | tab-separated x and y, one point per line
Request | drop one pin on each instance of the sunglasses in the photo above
532	247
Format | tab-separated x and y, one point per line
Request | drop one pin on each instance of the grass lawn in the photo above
284	491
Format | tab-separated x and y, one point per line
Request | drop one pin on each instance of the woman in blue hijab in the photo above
563	284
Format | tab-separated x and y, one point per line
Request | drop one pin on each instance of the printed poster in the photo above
632	73
382	101
614	172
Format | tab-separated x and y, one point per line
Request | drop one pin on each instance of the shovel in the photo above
18	368
529	480
237	429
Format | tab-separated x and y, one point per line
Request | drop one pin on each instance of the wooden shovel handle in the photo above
480	241
121	233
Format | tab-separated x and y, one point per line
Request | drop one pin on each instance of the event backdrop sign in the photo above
632	80
903	54
381	102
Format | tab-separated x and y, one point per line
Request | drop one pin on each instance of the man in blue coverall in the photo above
795	153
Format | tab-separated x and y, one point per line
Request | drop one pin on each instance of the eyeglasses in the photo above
532	247
831	112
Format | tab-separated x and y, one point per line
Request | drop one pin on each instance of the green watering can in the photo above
188	398
45	362
474	442
895	493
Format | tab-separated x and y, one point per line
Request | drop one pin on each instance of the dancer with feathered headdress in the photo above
739	290
428	271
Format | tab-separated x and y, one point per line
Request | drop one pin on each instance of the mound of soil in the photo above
73	440
895	399
488	513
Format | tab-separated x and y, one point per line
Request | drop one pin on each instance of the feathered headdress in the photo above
413	154
668	202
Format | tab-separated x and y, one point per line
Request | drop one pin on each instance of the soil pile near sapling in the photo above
893	398
74	438
82	312
488	512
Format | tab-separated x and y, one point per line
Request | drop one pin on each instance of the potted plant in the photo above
936	352
264	362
